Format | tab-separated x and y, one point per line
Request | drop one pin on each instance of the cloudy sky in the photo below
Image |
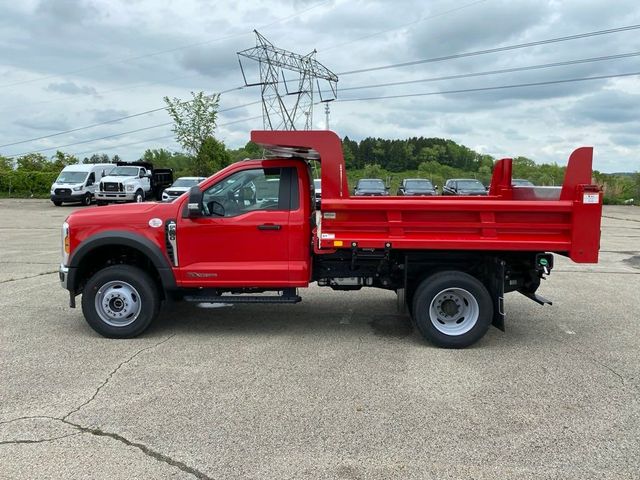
66	64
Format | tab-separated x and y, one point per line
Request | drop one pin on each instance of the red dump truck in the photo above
251	233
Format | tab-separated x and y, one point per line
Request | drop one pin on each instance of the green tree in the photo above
212	157
59	160
194	121
33	162
250	150
6	163
97	158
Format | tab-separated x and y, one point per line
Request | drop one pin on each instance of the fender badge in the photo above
155	223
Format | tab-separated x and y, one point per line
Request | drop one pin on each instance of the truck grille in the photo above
111	187
62	191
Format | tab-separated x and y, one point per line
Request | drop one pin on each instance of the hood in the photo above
177	189
110	178
122	214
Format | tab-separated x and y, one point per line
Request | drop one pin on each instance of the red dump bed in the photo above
563	220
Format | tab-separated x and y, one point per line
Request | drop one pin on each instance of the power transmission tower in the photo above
282	108
327	110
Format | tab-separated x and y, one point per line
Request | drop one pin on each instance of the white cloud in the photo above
109	58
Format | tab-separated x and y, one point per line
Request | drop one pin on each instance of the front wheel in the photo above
452	309
139	197
120	301
86	200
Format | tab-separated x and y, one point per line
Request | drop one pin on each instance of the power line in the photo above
382	32
161	52
511	47
485	89
120	134
494	72
494	50
115	120
147	140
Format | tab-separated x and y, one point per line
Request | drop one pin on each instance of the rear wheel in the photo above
120	301
452	309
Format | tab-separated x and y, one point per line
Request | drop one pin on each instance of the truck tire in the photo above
120	301
452	309
139	196
86	200
57	203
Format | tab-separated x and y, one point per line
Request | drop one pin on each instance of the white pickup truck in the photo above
124	184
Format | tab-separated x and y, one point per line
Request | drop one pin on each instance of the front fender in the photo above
120	238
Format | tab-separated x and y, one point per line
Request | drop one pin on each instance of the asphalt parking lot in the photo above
337	386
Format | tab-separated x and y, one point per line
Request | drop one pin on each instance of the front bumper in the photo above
115	196
67	198
66	275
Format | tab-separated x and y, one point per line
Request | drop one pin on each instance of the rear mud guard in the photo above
497	292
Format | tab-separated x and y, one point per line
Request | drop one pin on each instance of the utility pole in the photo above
282	108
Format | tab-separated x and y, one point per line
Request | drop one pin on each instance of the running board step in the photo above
287	297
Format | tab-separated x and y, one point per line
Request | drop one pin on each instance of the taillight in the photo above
66	245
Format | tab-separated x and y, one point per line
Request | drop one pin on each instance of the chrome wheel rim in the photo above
454	311
118	303
139	198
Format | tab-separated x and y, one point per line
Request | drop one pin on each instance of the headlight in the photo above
130	188
66	247
77	189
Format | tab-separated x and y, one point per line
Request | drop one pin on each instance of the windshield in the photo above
71	177
186	182
470	185
124	172
419	184
371	184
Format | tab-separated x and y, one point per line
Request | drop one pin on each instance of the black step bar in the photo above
288	296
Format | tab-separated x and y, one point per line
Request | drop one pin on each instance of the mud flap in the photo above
497	291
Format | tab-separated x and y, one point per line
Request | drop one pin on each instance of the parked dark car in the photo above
521	182
370	187
463	186
416	187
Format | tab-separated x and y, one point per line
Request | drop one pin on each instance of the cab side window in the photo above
92	179
252	190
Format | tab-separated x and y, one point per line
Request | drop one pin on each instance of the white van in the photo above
77	183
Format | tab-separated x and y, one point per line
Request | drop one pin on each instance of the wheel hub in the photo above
118	303
454	311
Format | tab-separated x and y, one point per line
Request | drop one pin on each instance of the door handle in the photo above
269	226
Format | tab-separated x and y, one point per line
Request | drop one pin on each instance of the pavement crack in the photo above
598	362
143	448
42	440
26	278
113	372
98	432
29	417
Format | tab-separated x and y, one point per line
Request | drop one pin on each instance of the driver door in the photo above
242	239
